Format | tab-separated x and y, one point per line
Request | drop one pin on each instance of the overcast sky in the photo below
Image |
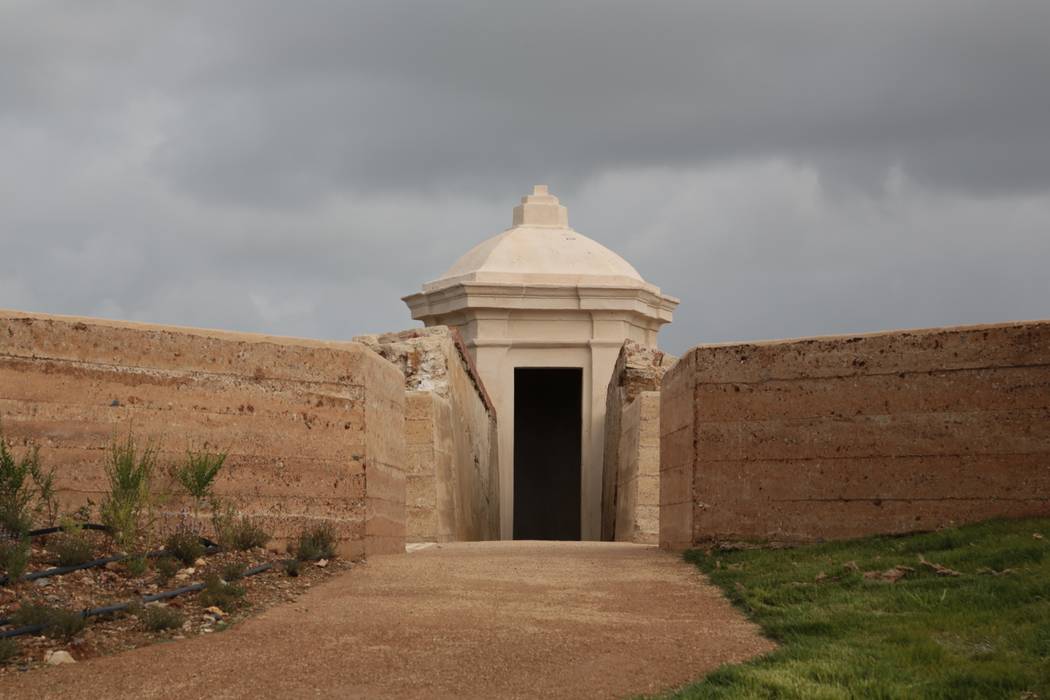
784	168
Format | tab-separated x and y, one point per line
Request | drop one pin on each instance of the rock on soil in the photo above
57	658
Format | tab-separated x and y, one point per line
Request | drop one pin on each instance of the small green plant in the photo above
14	557
83	513
137	565
17	490
166	567
47	499
184	544
220	593
316	542
128	504
291	567
72	547
239	533
155	618
196	474
26	489
232	571
8	650
57	623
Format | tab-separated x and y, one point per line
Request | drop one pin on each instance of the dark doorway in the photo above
548	419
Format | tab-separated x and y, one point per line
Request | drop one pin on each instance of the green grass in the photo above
977	635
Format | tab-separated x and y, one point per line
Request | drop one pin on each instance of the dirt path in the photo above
500	619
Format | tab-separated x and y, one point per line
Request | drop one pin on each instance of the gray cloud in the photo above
784	168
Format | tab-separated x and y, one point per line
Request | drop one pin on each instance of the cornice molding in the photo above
469	296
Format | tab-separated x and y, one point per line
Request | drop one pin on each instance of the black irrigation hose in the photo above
121	607
60	570
54	530
90	565
209	548
93	526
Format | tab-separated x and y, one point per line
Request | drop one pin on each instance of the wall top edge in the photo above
902	332
237	336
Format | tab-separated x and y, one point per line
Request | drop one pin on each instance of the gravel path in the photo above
493	619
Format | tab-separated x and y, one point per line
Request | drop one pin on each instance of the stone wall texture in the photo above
450	436
838	437
630	475
314	430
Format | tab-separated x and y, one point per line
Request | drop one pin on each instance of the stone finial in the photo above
540	208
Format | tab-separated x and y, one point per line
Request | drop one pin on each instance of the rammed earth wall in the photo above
845	436
314	429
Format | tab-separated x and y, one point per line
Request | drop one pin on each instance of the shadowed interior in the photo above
548	416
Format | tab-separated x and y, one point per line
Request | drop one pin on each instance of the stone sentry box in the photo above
541	295
314	429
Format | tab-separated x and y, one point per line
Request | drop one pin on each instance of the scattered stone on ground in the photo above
939	569
57	658
891	575
113	583
988	571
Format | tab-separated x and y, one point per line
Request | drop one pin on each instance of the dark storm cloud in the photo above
286	101
418	95
295	167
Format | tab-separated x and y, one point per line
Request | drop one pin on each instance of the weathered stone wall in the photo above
631	455
846	436
314	430
638	479
450	434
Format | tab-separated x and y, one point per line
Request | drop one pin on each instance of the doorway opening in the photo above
548	424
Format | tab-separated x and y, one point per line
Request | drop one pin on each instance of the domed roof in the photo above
540	248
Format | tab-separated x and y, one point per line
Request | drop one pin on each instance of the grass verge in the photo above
875	618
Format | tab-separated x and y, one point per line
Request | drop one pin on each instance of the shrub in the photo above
47	499
137	566
72	547
72	550
197	475
25	489
16	491
291	567
8	650
83	513
166	567
316	542
155	618
128	502
239	532
14	557
57	623
64	624
220	594
233	571
185	545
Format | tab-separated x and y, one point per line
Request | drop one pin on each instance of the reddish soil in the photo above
499	619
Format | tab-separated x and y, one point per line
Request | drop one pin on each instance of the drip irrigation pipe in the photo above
57	529
209	548
121	607
93	526
94	563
